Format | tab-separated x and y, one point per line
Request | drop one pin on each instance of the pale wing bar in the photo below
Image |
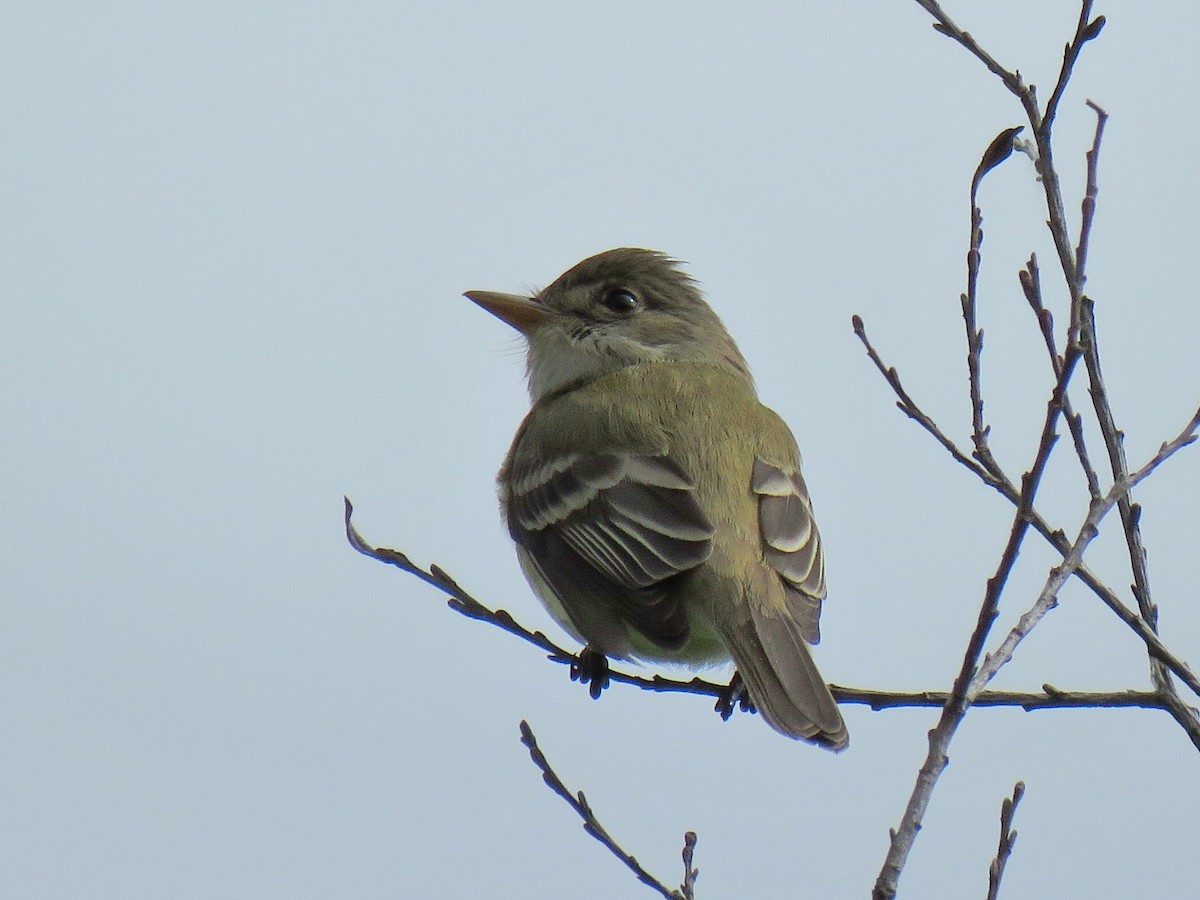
633	518
791	543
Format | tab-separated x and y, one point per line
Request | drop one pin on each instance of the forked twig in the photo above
592	826
1008	837
907	406
1048	597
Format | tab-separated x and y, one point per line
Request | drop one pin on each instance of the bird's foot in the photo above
733	696
592	670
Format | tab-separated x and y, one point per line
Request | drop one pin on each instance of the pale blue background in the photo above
235	236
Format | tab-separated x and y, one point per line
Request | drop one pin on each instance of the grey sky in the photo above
235	239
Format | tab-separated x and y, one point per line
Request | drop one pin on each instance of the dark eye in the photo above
621	300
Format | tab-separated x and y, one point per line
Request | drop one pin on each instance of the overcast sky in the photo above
235	236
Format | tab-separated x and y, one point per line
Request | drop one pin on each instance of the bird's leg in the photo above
734	695
592	670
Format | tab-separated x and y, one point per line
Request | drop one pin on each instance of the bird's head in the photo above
615	309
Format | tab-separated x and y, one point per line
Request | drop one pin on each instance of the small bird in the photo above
657	506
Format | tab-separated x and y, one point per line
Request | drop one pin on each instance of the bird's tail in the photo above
778	670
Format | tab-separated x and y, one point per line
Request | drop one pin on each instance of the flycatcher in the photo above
658	508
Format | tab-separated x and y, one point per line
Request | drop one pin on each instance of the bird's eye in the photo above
621	300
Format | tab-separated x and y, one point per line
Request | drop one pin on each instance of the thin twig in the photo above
1050	698
1029	486
914	412
1008	837
465	604
1154	644
460	600
997	151
945	26
690	872
1114	442
1092	187
1085	30
592	826
1031	286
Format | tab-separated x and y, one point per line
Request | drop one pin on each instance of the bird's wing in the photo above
611	529
771	649
790	542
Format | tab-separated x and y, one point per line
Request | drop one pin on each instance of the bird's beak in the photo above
522	313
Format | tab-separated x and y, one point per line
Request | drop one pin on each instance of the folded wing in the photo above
612	529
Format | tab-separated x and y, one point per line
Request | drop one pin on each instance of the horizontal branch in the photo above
462	602
1050	698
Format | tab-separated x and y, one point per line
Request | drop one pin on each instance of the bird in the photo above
657	506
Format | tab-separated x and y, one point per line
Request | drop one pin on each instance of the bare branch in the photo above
592	826
460	600
999	150
1048	598
1008	838
1031	285
1051	698
690	872
1005	487
1029	485
914	412
945	26
1085	30
1093	186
